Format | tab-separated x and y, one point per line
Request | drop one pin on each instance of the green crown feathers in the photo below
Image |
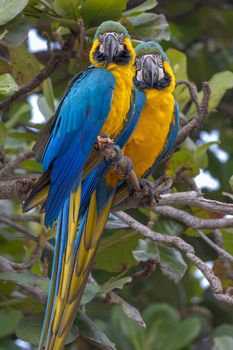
148	48
111	26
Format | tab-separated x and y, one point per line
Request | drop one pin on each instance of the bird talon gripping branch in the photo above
124	166
103	141
146	193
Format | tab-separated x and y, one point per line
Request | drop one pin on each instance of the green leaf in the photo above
3	133
16	31
94	12
147	5
128	309
44	107
149	26
179	64
4	66
24	66
90	292
31	165
219	84
9	320
177	336
7	85
10	9
9	344
117	284
146	250
172	263
231	183
47	88
26	279
223	343
29	329
92	334
20	113
115	251
223	330
180	159
200	154
160	312
67	8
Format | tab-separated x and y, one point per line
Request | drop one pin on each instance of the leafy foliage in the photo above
178	312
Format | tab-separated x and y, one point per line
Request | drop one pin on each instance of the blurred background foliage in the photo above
174	302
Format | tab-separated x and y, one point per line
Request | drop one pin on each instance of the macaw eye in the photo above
138	64
121	38
101	38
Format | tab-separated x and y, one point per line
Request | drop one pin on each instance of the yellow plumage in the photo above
150	135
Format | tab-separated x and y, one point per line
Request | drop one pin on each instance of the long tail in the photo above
71	268
65	242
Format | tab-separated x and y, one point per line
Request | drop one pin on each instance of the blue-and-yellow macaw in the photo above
98	101
158	126
152	138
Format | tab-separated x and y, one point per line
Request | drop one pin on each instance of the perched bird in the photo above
152	138
99	101
158	125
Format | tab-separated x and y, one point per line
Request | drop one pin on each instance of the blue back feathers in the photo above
81	116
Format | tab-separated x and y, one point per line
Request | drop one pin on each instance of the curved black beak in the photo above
150	71
110	46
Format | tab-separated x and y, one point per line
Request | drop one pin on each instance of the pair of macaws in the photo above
129	98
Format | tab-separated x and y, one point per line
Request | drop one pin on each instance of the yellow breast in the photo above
149	138
121	100
150	135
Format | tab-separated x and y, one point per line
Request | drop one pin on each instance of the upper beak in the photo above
150	71
110	46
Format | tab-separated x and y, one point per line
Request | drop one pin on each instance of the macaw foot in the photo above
124	166
103	141
146	194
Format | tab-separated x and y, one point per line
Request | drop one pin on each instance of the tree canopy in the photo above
163	276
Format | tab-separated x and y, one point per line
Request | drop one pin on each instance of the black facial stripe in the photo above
123	57
159	84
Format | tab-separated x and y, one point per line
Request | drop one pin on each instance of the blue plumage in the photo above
96	176
81	117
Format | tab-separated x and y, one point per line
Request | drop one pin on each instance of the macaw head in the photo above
153	69
112	44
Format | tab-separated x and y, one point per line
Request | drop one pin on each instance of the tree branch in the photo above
202	112
192	221
186	248
18	187
14	164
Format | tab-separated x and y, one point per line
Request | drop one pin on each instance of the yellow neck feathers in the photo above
129	46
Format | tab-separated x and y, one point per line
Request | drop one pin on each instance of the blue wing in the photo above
81	115
91	181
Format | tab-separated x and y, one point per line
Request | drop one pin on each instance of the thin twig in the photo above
218	249
196	123
192	90
14	164
26	233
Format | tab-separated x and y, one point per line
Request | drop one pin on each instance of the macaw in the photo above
158	126
152	139
99	101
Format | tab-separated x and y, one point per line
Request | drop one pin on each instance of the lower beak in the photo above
111	46
150	71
